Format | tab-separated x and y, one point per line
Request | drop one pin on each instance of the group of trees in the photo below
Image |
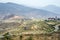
7	36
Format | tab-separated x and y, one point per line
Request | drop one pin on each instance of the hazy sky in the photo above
34	3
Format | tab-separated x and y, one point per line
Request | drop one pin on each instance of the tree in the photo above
7	36
21	37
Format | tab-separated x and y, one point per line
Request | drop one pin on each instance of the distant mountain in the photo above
20	10
52	8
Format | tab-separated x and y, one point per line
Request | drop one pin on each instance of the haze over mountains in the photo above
52	8
20	10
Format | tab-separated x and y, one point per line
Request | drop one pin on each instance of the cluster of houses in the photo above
54	18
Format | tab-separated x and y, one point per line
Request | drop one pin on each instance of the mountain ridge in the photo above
20	10
52	8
